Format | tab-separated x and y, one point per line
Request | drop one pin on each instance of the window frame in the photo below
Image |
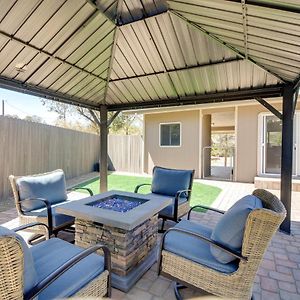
262	143
180	135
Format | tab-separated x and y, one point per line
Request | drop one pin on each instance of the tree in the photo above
60	108
122	124
223	145
34	118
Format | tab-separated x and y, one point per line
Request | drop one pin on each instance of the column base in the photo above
125	283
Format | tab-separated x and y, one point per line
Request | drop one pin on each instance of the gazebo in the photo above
116	55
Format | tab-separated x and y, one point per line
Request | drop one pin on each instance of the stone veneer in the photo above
128	247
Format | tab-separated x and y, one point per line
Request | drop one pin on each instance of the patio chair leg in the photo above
178	287
161	230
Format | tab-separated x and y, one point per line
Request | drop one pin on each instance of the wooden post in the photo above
103	148
287	154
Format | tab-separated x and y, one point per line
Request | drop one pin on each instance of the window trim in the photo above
180	135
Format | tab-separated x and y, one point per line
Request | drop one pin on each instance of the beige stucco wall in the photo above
188	155
246	142
184	157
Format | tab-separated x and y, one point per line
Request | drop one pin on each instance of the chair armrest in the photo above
178	194
22	227
204	207
81	188
140	185
49	211
69	264
236	254
176	201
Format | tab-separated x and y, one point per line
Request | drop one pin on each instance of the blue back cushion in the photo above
229	231
50	186
29	276
169	181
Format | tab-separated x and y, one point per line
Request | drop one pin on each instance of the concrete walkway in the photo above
278	276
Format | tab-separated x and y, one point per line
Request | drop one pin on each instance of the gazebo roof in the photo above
147	53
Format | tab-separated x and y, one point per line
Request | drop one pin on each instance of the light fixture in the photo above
21	67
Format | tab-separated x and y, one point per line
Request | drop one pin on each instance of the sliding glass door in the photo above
271	145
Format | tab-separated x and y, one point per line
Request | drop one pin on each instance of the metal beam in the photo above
112	118
96	5
271	108
220	62
227	45
113	50
287	154
272	5
244	13
103	148
297	83
295	100
47	54
143	19
17	86
247	94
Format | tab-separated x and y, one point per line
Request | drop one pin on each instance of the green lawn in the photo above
202	193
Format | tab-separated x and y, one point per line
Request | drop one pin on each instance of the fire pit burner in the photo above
117	203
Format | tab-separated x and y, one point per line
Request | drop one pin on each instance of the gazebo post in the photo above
288	108
103	148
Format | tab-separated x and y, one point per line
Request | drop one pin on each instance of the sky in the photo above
25	105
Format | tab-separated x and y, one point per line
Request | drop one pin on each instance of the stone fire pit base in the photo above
125	283
133	251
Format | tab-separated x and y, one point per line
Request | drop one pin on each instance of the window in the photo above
170	135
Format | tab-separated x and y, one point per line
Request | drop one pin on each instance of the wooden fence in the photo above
126	153
28	148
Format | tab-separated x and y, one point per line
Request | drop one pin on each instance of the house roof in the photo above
149	53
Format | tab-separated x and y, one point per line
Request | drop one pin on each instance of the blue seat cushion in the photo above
57	219
229	231
169	181
169	210
51	254
50	186
30	276
194	249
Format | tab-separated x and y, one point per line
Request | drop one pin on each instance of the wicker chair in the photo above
40	199
38	272
261	224
171	183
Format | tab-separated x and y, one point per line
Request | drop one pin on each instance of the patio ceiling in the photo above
148	53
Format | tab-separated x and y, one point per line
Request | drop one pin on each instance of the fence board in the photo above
28	148
126	153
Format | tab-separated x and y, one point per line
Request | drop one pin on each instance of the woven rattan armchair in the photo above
39	273
171	183
45	212
261	224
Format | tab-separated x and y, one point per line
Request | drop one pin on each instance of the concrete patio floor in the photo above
278	276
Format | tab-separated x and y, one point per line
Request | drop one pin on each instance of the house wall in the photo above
189	154
184	157
246	142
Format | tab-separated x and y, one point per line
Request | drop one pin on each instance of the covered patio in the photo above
278	275
118	55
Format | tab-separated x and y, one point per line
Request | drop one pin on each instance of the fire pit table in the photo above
127	223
